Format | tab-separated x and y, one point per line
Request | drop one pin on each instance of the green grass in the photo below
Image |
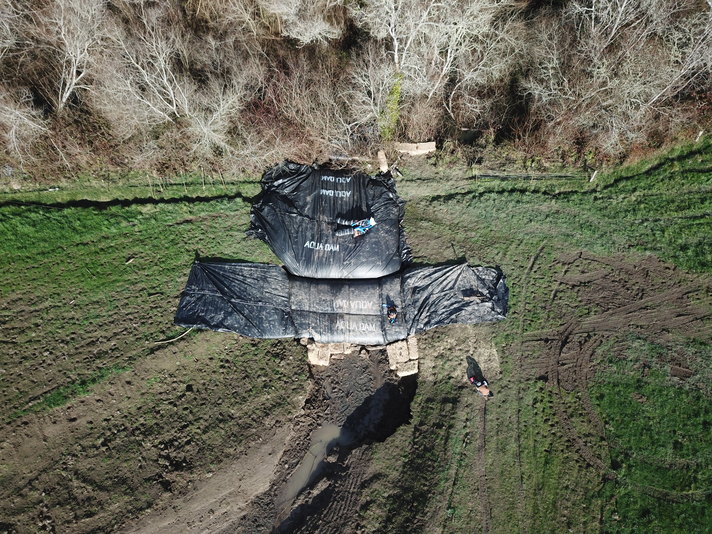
663	207
660	431
89	287
86	290
423	472
62	395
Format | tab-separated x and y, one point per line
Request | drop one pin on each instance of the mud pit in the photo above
306	476
353	402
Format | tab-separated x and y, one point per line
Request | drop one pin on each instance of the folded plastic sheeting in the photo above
264	301
308	217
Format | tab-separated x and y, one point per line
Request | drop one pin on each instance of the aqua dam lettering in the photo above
327	247
334	193
336	179
344	304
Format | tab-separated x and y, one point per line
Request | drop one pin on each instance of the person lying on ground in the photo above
477	379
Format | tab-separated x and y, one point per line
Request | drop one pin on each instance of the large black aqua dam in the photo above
345	277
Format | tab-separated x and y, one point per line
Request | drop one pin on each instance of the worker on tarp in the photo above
391	313
363	226
391	310
477	379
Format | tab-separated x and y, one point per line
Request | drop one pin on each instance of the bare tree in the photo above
70	30
692	40
603	68
246	17
210	123
8	26
151	53
315	21
308	21
425	39
482	73
371	82
425	43
141	79
20	123
309	97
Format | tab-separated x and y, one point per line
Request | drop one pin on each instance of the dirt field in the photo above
144	436
600	372
359	397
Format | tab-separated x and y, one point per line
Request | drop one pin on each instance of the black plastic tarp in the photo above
305	214
264	301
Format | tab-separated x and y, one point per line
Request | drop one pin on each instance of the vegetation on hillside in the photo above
229	85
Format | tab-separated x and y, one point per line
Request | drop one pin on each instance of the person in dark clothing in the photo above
392	314
477	379
363	226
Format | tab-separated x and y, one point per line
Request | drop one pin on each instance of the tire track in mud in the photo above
582	369
467	407
635	298
366	402
554	366
519	376
456	472
581	372
485	508
345	497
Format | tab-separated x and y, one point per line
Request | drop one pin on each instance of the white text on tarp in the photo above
363	327
333	193
327	247
344	304
336	179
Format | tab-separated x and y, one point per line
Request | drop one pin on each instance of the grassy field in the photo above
622	446
107	417
617	441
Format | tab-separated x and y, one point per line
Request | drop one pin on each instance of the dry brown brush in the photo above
234	84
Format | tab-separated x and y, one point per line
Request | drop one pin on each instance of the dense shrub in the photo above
232	84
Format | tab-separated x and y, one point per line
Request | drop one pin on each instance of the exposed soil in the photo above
357	394
222	496
647	299
89	465
293	481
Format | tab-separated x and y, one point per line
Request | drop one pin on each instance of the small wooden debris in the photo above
415	149
382	161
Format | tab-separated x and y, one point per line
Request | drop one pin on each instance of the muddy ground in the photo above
301	479
352	406
150	434
218	433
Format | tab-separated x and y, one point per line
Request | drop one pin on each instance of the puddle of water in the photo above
322	440
375	419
